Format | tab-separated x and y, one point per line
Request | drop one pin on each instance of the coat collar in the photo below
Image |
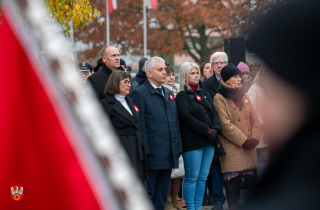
166	92
105	69
201	94
119	108
214	83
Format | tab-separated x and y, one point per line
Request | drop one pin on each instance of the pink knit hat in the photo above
243	67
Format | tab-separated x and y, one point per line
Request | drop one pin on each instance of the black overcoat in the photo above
159	126
211	85
127	128
196	115
99	80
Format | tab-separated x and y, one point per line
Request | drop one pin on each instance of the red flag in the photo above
152	4
112	5
36	150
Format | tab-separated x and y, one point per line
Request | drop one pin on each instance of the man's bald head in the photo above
111	57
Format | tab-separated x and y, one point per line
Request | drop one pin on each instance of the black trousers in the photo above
158	186
233	190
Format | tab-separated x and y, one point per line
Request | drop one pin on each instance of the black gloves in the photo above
250	144
212	134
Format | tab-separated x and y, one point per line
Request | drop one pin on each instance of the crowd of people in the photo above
214	130
185	139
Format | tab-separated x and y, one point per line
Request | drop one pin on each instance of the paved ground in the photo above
243	194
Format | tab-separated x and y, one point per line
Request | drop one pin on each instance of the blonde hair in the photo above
184	73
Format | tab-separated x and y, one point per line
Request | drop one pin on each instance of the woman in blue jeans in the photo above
199	127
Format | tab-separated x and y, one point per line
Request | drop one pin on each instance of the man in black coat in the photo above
211	85
111	62
141	76
159	128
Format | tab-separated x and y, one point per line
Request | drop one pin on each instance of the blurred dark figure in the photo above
288	42
99	65
85	70
141	76
124	67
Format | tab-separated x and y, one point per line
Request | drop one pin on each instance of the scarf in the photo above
194	87
235	94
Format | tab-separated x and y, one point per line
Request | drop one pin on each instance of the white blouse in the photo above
123	101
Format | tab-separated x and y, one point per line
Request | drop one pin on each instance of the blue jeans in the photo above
196	165
217	184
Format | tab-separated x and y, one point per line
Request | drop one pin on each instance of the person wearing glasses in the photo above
123	115
206	70
211	85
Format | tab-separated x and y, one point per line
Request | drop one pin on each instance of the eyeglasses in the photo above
127	82
169	75
221	63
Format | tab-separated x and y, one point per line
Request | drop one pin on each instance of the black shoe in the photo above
217	206
210	201
205	200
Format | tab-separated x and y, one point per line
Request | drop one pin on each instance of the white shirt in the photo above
123	101
155	87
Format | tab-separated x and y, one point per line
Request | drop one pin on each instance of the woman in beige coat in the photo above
240	132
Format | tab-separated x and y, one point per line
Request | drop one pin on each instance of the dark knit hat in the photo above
122	62
142	61
229	71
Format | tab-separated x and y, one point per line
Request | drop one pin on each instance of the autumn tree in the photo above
177	27
63	11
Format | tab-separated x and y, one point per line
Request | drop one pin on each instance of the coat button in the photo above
239	120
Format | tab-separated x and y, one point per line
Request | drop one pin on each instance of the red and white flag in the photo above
112	5
39	155
152	4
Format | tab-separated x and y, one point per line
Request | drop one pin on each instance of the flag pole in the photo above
72	40
108	24
144	28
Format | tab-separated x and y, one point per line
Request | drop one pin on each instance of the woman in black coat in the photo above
199	127
123	115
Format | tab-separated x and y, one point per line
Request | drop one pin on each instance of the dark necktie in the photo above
160	91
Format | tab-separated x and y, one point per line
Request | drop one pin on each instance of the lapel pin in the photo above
136	108
198	98
171	97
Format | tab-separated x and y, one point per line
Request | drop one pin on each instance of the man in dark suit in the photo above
111	62
159	128
211	85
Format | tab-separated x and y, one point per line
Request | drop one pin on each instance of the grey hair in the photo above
184	73
103	50
217	54
149	64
